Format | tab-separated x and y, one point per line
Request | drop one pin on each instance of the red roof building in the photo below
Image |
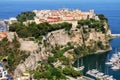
3	35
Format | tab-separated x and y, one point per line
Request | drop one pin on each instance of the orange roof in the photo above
53	17
3	35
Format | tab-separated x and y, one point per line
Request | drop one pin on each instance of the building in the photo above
3	35
62	15
3	26
12	20
3	73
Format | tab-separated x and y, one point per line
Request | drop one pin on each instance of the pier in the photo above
115	35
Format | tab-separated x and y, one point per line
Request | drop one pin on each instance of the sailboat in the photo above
80	68
114	61
108	63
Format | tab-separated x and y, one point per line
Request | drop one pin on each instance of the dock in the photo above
115	35
85	78
79	78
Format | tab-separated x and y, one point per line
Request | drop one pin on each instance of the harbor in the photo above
114	61
99	75
99	61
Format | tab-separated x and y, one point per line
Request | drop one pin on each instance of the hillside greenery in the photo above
49	72
24	16
46	69
12	52
97	25
102	17
37	30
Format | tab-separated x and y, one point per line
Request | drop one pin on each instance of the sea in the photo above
111	9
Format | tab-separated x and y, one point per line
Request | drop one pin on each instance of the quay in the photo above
85	78
115	35
79	78
99	75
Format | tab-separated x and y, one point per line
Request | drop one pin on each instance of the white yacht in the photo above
115	68
109	63
79	68
96	74
114	61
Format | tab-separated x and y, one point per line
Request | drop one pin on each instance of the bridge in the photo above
115	35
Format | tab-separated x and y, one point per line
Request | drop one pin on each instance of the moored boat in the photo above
96	74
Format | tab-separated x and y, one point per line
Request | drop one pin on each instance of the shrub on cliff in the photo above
12	52
71	72
24	16
37	30
102	17
50	74
51	59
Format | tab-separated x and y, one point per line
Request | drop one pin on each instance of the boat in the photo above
114	61
115	68
96	74
109	63
79	68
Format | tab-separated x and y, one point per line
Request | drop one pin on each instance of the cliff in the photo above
82	37
79	36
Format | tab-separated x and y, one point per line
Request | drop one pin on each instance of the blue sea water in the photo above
10	8
110	9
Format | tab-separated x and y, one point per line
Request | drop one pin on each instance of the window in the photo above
0	75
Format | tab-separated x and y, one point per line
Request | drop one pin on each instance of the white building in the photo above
12	20
63	14
3	73
3	26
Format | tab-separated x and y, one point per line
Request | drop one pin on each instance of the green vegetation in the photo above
84	22
59	52
11	50
11	59
46	69
24	16
49	72
83	50
97	25
102	17
37	30
71	72
51	59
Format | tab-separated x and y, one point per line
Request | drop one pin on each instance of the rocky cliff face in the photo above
78	37
31	62
75	36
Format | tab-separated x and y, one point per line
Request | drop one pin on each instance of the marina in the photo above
114	61
79	67
99	75
106	65
101	61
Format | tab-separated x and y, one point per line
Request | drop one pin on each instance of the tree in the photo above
71	72
11	60
51	59
57	73
16	43
37	75
102	17
13	27
84	22
24	16
45	74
